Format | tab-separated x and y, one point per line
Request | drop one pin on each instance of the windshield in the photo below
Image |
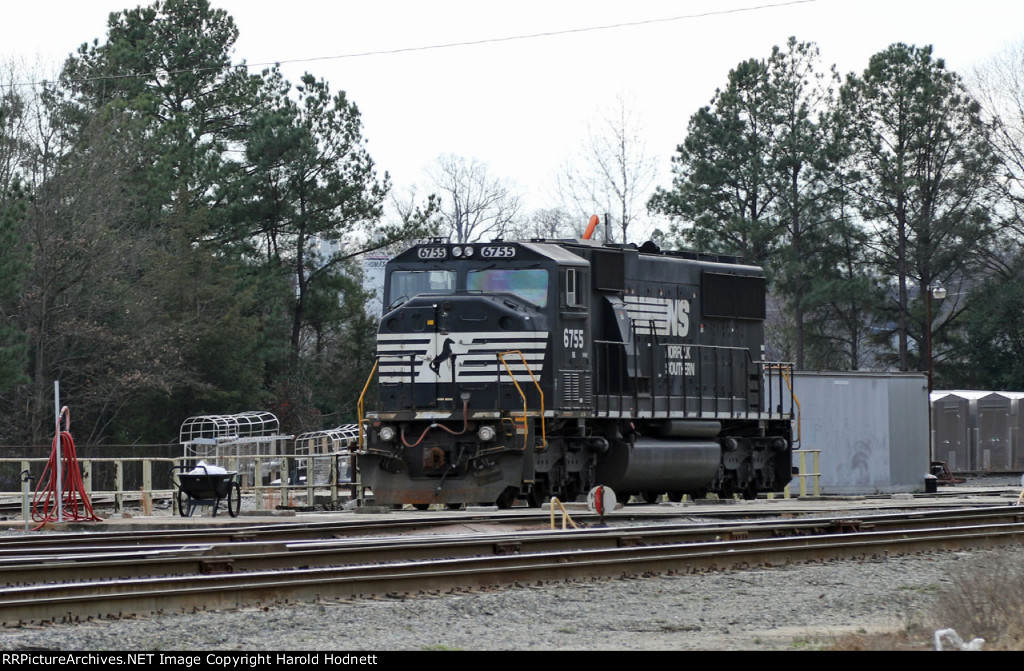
408	283
529	284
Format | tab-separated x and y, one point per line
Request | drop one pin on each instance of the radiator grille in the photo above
577	389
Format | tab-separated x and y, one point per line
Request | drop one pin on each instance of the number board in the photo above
432	253
502	252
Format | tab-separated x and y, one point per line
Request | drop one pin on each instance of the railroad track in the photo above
90	556
66	584
239	531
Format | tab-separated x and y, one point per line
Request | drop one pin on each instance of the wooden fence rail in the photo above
273	481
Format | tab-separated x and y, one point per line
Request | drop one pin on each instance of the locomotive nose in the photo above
433	347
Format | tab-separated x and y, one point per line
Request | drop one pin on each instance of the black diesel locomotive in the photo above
534	369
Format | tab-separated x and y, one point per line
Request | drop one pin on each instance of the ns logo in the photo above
678	321
661	316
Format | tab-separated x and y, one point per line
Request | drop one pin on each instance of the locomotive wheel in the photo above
421	506
234	500
750	492
626	496
699	493
453	506
182	503
675	497
507	498
650	497
536	497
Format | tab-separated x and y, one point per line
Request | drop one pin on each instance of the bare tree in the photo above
614	174
474	205
552	223
999	86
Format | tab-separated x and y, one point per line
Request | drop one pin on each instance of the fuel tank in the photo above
660	464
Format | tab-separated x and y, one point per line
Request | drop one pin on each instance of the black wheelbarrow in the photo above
207	489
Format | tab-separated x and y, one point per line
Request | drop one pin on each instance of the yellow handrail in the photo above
359	410
543	427
565	514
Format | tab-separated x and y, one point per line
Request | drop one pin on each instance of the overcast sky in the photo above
522	105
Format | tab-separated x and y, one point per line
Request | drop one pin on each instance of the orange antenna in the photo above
594	221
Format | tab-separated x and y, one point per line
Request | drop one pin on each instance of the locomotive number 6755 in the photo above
524	370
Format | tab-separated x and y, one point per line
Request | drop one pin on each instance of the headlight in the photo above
486	433
386	433
469	251
456	252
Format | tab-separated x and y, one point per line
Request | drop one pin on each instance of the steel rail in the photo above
112	598
22	565
228	532
102	541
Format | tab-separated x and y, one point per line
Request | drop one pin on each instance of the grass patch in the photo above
983	599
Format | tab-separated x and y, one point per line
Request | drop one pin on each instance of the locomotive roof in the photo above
564	251
555	252
549	249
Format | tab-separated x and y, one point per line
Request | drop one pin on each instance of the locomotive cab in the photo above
473	321
464	360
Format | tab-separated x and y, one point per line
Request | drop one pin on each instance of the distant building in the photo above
373	280
373	274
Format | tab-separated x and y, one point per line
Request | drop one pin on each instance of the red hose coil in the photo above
76	501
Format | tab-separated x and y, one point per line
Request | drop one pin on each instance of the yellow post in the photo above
803	475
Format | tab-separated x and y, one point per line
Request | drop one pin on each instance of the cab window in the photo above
408	283
574	283
530	284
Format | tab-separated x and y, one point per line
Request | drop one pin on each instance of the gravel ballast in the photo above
787	607
799	606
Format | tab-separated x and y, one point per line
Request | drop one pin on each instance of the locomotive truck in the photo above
526	370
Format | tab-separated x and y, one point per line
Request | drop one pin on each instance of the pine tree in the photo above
923	162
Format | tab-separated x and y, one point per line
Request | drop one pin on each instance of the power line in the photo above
450	45
553	33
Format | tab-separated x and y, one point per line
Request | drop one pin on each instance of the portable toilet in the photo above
952	423
997	425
